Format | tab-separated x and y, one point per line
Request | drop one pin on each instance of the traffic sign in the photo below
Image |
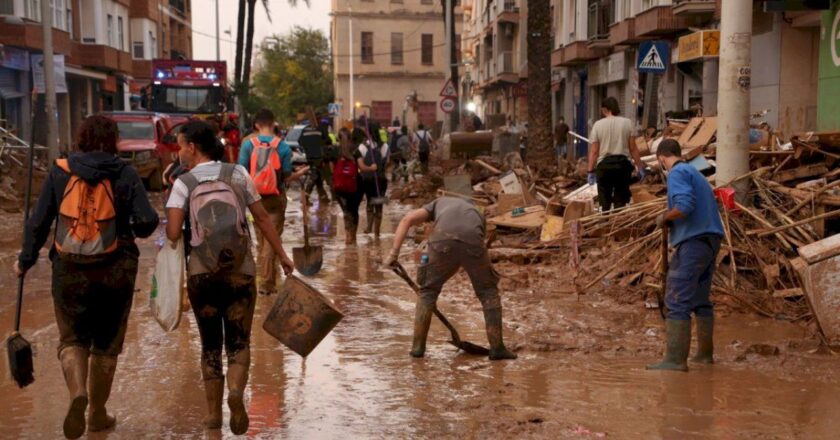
334	108
447	104
653	57
448	90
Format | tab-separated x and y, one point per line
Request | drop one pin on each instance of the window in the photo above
110	30
120	34
427	49
396	48
69	13
367	47
382	112
136	130
152	45
138	50
458	48
33	10
7	7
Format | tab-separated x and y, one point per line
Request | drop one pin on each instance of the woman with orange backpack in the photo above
346	181
98	206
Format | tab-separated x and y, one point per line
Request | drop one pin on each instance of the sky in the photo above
284	18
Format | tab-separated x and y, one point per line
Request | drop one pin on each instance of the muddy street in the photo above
580	372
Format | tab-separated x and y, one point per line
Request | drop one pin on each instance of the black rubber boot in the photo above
102	369
493	323
237	378
705	340
422	322
214	390
74	364
377	223
370	216
678	337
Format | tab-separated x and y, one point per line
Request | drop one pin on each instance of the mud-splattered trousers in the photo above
224	310
93	300
692	268
445	258
267	260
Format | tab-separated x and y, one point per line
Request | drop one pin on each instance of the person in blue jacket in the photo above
695	235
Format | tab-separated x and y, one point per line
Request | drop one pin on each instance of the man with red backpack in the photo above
213	197
269	162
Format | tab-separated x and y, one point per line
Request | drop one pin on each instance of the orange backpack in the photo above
87	219
265	162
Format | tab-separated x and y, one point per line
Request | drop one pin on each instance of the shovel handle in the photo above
304	208
402	273
663	249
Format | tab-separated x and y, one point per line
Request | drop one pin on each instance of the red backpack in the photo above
345	175
265	162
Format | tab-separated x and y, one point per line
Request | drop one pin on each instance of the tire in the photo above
155	180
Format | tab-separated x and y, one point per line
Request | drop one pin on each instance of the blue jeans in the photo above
690	278
560	150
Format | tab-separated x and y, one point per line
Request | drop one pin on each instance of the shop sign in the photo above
698	45
608	69
13	58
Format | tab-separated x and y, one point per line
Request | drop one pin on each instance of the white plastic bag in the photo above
167	282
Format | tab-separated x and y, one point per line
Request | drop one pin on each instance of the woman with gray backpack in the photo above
373	159
213	198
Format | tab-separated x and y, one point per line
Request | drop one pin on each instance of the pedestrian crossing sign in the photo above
653	57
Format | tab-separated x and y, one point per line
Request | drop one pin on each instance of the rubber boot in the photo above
422	322
74	363
678	336
377	224
705	340
214	390
493	323
102	369
237	378
348	231
370	216
354	229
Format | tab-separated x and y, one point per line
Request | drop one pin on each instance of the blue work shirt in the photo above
691	194
283	150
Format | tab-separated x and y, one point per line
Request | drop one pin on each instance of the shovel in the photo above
308	259
663	253
468	347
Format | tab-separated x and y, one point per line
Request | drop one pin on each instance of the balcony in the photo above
141	69
660	20
578	52
103	57
623	32
28	34
505	69
509	12
598	29
694	7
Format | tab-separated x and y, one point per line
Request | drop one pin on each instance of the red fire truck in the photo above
197	89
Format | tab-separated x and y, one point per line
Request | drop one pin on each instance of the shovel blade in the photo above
308	260
20	360
470	348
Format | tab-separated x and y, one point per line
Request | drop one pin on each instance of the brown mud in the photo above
580	373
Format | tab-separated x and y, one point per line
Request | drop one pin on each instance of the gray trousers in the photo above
445	258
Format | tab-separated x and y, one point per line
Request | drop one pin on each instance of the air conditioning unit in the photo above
89	40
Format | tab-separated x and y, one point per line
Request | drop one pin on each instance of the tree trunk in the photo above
452	57
540	142
240	38
249	47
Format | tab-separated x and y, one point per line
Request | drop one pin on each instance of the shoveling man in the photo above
696	232
457	241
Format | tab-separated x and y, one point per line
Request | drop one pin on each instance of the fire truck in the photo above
197	89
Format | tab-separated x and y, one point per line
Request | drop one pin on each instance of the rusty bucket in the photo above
301	316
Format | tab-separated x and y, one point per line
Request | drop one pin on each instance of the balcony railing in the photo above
600	18
504	62
510	6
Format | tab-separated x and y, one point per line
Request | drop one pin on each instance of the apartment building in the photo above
597	43
105	48
495	47
397	57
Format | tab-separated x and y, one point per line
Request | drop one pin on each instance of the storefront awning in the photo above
92	74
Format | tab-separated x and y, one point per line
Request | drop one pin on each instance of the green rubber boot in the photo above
237	379
74	363
678	334
705	340
493	324
422	322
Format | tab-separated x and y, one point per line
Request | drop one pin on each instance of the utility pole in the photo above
452	65
218	51
350	60
49	82
734	95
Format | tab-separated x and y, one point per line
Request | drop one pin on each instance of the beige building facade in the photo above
397	57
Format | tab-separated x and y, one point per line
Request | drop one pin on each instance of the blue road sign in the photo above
653	57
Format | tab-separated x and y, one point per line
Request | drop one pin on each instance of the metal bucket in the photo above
301	316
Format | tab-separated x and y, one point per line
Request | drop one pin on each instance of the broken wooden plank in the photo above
533	217
821	250
704	135
487	166
801	172
689	131
794	292
820	281
764	233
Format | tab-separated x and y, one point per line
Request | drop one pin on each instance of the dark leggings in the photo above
349	203
372	190
224	310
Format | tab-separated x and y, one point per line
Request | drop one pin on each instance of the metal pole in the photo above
49	82
218	50
350	59
447	71
734	94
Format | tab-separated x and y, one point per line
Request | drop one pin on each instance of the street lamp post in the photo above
218	53
350	58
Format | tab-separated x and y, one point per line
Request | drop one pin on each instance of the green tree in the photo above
296	72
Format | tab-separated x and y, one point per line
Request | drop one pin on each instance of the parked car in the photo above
146	143
293	139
